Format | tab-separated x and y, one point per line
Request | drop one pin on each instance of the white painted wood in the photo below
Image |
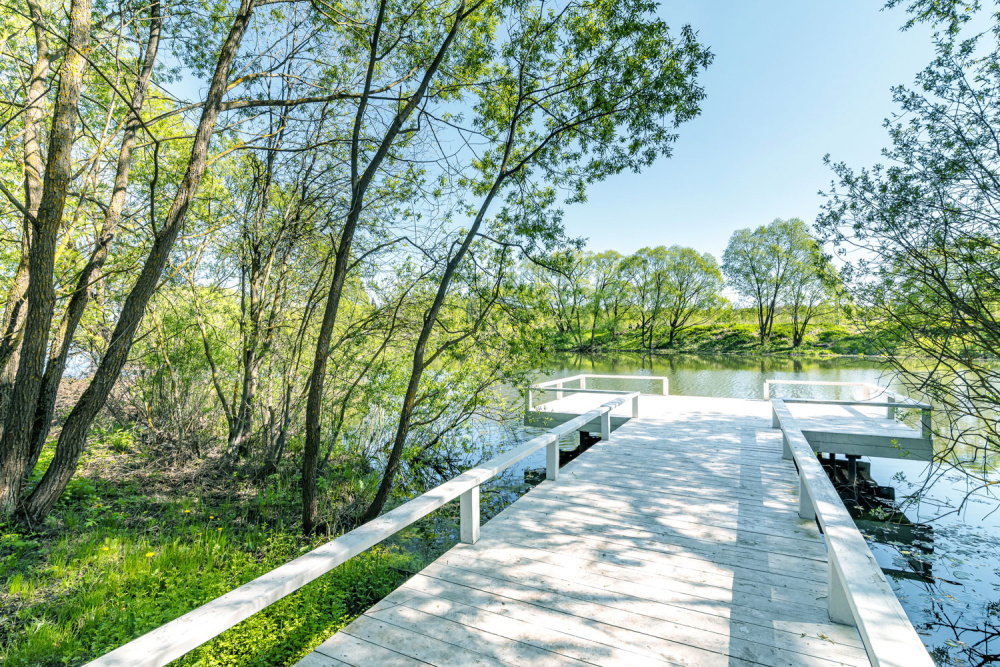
806	509
888	635
469	515
552	461
606	426
840	604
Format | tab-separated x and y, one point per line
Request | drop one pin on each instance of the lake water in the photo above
948	578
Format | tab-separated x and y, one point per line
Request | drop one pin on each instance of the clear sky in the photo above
792	81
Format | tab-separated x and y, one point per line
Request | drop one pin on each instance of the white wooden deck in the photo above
678	542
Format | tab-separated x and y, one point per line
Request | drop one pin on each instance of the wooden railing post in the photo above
606	426
635	406
666	386
559	394
775	422
583	382
838	604
867	392
552	460
767	390
786	450
806	509
890	411
925	423
469	515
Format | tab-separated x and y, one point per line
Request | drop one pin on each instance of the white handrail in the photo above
172	640
560	386
859	593
894	400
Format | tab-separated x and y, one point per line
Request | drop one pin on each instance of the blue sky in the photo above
792	81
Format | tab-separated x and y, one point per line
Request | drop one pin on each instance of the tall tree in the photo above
925	231
580	91
758	264
693	288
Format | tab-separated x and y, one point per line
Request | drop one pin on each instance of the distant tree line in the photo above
660	292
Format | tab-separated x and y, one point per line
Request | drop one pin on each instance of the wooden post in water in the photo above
469	515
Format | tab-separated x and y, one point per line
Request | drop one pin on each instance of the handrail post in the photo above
666	386
867	392
838	604
552	460
775	422
890	411
559	394
635	406
469	515
583	382
786	450
530	406
806	509
767	390
925	423
606	426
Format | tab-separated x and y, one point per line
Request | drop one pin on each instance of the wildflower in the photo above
220	528
210	516
150	554
187	511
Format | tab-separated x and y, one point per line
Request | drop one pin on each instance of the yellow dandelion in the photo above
150	554
219	529
187	511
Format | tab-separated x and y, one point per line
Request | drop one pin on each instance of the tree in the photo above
606	289
927	278
693	285
758	264
578	92
812	279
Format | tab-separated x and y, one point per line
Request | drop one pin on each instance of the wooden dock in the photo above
677	542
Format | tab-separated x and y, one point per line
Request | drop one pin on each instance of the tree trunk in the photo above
74	433
359	186
34	112
78	302
419	363
16	442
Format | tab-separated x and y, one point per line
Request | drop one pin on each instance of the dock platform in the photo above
677	542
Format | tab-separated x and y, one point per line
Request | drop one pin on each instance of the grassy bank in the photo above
134	544
823	340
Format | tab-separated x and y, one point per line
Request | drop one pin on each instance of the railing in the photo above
174	639
859	593
559	385
894	400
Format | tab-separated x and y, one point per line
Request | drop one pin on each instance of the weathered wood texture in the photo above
678	541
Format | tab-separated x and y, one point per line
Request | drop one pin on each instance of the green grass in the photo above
116	561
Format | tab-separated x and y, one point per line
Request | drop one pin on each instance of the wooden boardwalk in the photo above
678	542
